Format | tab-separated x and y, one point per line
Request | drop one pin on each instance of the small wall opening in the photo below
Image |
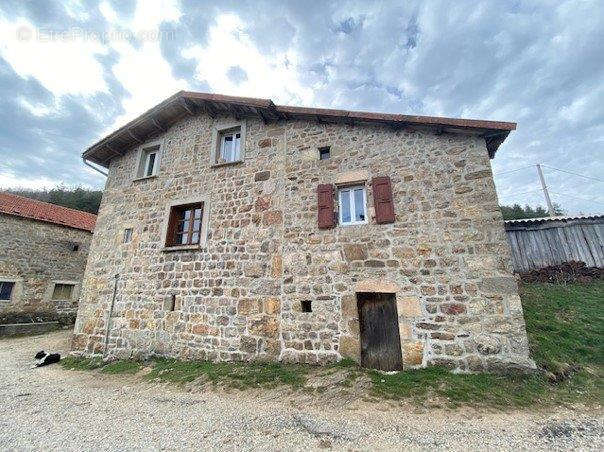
172	303
306	305
324	153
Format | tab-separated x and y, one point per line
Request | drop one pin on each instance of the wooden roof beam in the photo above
134	136
157	125
188	106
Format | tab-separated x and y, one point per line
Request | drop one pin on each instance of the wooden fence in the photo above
539	243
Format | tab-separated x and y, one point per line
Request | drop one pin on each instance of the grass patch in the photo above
238	375
564	325
79	363
122	367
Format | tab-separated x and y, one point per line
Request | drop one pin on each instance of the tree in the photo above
73	197
516	212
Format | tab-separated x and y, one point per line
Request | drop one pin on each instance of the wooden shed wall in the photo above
552	243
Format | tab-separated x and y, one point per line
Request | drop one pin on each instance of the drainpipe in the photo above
116	277
93	167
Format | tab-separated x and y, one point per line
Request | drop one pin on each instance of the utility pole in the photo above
548	201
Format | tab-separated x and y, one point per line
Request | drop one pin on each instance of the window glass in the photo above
150	164
345	206
359	205
6	290
352	205
230	146
127	235
324	153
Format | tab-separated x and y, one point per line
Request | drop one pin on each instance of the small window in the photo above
127	235
306	306
62	292
148	163
6	290
353	203
324	153
75	247
230	146
185	225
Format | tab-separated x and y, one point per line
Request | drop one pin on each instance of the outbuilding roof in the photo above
159	118
42	211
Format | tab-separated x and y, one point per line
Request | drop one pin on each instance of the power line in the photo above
576	197
574	174
513	171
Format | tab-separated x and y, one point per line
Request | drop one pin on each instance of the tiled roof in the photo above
42	211
159	118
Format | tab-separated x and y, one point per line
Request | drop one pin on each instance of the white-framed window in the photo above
6	290
62	292
149	161
230	145
352	205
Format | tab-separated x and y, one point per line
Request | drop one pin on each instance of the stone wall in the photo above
239	296
35	255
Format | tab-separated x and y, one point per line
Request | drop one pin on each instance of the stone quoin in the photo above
247	243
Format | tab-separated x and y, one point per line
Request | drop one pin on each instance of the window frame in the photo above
204	227
75	291
352	206
11	292
174	230
218	133
145	151
62	285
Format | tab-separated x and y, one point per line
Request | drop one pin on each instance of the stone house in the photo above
43	252
235	229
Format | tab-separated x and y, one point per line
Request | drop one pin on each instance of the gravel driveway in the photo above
52	408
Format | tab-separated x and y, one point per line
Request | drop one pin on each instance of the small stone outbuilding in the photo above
43	252
235	229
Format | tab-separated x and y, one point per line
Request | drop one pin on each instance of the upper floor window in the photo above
62	292
353	205
149	161
184	226
230	145
6	290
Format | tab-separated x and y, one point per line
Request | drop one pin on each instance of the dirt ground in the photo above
53	408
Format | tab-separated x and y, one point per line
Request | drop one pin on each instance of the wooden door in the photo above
380	338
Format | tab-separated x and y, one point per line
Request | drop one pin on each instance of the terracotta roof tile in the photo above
42	211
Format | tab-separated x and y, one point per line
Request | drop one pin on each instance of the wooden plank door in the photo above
380	339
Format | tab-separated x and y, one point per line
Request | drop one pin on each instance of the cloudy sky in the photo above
70	72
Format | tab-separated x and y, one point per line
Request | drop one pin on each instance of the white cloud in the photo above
9	179
267	75
63	64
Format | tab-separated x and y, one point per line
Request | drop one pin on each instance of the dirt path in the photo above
52	408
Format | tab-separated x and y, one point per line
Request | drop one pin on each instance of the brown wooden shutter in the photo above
382	200
325	204
171	227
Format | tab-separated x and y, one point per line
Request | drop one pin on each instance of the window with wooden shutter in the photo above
325	206
184	227
382	199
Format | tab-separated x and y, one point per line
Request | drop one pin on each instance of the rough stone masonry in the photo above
239	296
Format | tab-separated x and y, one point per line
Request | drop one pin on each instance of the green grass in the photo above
564	324
238	375
122	367
78	363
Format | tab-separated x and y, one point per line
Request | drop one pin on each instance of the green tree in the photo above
517	212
